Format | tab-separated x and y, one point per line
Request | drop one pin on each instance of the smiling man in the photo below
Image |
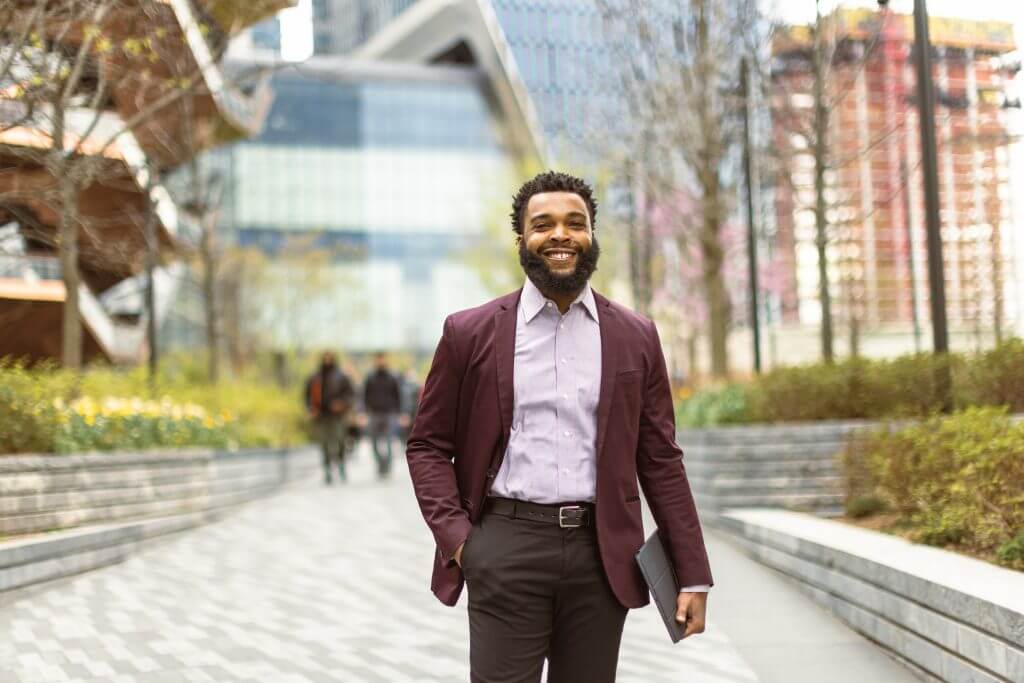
542	411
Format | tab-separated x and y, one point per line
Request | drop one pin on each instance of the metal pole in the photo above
905	179
748	169
929	164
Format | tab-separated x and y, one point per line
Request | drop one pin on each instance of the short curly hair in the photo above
552	181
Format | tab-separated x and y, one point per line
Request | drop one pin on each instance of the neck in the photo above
562	299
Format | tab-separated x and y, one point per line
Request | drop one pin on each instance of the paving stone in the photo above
313	584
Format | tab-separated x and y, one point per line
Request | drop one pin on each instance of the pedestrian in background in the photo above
329	397
536	404
382	400
411	390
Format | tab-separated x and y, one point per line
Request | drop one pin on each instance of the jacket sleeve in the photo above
663	476
431	449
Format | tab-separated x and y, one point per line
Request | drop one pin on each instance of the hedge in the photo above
906	386
955	481
48	410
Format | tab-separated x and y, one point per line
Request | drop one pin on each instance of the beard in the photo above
536	268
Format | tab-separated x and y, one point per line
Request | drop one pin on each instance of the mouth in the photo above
560	256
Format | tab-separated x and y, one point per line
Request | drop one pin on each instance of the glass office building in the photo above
563	53
366	193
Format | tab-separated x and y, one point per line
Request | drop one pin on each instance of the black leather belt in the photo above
565	515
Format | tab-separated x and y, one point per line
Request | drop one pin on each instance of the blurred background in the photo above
819	202
348	185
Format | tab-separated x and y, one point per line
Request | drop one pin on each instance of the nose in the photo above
560	233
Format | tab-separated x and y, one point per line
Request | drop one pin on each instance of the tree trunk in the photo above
710	160
206	252
71	327
151	322
716	295
820	207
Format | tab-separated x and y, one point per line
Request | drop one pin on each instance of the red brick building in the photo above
878	270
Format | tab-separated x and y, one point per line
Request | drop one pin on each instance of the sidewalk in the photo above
332	584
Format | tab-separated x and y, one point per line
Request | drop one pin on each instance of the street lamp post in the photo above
748	172
929	165
933	222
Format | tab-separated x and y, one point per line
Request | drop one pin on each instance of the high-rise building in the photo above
340	26
877	249
368	187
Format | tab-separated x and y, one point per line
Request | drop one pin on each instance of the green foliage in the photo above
729	404
853	389
47	409
907	386
957	481
1011	553
865	506
996	377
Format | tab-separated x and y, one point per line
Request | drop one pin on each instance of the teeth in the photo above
559	256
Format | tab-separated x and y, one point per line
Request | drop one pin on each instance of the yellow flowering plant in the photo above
45	409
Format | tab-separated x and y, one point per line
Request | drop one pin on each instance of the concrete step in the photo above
767	468
805	432
781	452
790	501
771	485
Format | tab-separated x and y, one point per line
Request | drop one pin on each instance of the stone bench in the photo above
951	617
62	515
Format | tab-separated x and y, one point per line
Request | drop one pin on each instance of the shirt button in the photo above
564	361
565	396
568	433
565	470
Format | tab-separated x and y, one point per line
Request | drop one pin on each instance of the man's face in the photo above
327	360
382	361
558	250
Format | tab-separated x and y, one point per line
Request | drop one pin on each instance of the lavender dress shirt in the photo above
551	455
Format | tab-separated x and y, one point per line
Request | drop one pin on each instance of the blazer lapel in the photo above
609	366
504	353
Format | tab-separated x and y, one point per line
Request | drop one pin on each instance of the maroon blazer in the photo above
462	428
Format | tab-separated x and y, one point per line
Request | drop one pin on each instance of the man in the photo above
382	398
329	394
541	411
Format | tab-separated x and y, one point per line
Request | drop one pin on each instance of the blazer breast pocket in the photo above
629	376
629	389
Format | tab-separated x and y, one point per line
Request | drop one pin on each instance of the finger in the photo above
682	610
693	627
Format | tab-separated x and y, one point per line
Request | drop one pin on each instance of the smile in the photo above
559	255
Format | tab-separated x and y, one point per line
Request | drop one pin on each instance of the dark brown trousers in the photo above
538	591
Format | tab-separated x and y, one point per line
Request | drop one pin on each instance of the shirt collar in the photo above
533	301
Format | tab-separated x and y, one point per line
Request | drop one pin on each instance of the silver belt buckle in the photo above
561	517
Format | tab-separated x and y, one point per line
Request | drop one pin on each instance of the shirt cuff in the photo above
702	588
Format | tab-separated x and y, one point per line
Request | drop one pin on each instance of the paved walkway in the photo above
331	584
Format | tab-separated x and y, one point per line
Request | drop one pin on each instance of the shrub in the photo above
865	506
46	409
956	480
725	405
1011	553
996	377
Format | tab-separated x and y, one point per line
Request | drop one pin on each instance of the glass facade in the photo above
377	186
340	26
561	49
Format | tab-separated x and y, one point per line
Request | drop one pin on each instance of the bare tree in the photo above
679	71
95	75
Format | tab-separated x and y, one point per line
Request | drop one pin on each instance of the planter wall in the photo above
49	492
953	618
792	466
100	508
